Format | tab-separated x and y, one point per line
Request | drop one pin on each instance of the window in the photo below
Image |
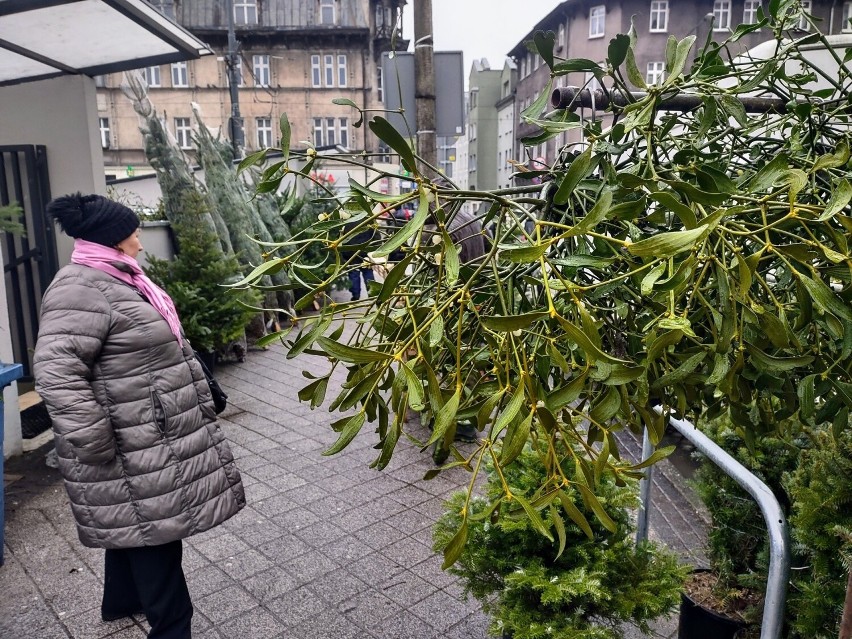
471	162
264	132
261	70
343	130
722	15
238	64
245	12
523	67
560	36
103	125
846	27
380	17
592	83
597	21
380	85
152	76
660	16
471	130
179	74
166	7
326	11
341	71
330	137
316	74
329	70
318	138
182	133
804	25
505	91
656	73
750	8
100	81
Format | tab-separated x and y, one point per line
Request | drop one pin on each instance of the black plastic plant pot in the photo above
698	622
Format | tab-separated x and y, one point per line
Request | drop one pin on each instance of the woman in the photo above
144	461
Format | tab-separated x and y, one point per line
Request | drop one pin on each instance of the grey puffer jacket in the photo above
143	458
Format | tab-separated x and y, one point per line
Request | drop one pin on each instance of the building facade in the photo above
482	98
506	124
293	59
584	28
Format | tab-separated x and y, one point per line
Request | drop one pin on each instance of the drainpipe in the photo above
831	17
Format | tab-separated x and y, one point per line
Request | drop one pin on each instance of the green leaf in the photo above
576	514
651	278
508	323
284	126
839	199
670	202
508	413
593	353
393	278
484	413
607	407
656	456
595	216
351	354
384	131
308	338
617	50
633	73
525	254
733	107
408	230
258	157
436	331
347	434
544	45
559	525
451	259
579	169
516	439
533	111
769	175
315	391
577	64
678	374
833	160
375	196
621	374
415	389
568	393
534	517
595	506
680	55
770	364
454	549
825	298
667	244
807	398
445	417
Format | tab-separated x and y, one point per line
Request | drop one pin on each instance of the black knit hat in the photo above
93	218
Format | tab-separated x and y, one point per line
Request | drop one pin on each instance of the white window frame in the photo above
656	73
183	132
245	12
328	68
342	71
166	7
560	36
343	132
319	136
180	74
659	16
804	25
327	12
330	132
316	71
722	15
845	16
263	127
152	77
380	85
523	67
261	70
239	64
750	8
597	21
106	138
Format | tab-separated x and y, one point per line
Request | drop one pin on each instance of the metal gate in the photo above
29	261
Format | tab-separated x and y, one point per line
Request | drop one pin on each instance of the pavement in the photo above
327	547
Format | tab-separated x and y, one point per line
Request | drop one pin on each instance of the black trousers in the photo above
150	580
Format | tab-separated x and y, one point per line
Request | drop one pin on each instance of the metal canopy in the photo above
42	39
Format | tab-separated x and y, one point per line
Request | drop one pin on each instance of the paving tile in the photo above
440	610
296	606
253	624
308	566
327	625
405	625
337	586
223	546
269	584
320	533
374	568
245	564
226	604
368	607
89	625
285	546
207	580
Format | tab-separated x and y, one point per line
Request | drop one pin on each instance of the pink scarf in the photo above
109	260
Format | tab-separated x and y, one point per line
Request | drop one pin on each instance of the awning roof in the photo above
46	38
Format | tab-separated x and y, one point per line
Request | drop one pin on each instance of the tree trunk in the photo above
846	619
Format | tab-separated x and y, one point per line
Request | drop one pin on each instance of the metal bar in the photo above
572	98
779	536
29	315
645	491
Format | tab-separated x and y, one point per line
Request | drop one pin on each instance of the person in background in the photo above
144	460
362	239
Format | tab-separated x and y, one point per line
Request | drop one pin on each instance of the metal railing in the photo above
776	523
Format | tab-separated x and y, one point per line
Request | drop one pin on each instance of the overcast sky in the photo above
479	28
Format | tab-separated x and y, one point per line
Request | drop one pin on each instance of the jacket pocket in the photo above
159	413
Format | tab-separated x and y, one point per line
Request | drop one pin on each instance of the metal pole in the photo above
424	82
572	98
779	536
645	491
235	122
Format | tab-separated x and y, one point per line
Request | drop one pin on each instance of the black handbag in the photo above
220	397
